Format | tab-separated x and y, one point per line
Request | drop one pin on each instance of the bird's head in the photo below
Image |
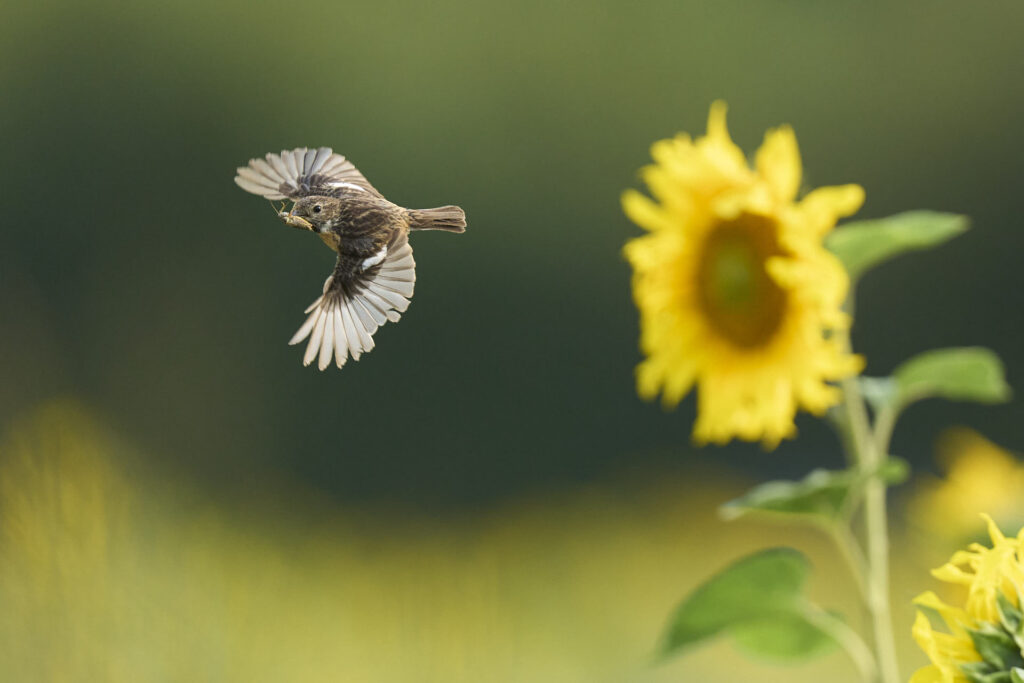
318	214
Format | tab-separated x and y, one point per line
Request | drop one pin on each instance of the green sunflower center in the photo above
743	303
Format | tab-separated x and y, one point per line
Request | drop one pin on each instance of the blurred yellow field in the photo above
110	573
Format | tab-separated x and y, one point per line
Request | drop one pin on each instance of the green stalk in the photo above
846	543
867	454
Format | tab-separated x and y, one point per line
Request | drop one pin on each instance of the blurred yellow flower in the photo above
979	476
993	578
736	292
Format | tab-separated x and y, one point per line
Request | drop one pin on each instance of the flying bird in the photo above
375	272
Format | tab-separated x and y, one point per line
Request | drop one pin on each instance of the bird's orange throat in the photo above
330	238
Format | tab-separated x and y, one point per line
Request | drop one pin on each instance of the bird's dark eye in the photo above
317	208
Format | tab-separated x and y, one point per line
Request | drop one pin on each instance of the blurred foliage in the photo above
822	497
964	374
862	245
758	600
135	274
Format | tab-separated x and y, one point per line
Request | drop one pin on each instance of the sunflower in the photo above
983	639
736	292
979	475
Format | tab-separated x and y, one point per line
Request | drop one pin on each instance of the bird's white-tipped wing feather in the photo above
301	172
343	320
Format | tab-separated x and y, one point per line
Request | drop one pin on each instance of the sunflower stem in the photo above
851	553
867	454
885	420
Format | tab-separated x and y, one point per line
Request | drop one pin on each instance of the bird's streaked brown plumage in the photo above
375	273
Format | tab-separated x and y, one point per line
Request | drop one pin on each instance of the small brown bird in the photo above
375	273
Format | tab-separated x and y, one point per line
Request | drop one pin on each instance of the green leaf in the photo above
1017	675
957	374
783	636
757	586
821	494
762	589
861	245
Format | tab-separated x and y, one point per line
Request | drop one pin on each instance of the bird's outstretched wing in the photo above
362	294
302	172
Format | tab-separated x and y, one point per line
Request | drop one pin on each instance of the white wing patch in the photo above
375	259
340	326
348	185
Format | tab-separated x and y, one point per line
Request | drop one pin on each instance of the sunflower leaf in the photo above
861	245
957	374
784	636
821	495
759	600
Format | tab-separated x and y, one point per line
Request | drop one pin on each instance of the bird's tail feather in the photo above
449	218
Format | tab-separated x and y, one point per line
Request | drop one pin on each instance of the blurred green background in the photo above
137	278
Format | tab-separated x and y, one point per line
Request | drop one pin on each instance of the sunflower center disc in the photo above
739	298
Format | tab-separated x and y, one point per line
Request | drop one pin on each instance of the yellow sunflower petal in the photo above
947	651
648	380
678	382
645	212
717	128
993	530
719	152
778	163
824	206
930	674
956	618
950	573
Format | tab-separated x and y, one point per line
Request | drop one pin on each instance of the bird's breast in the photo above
331	239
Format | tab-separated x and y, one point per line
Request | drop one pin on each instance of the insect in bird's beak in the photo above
291	219
296	221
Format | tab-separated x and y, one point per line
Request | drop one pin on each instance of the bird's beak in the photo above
295	221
